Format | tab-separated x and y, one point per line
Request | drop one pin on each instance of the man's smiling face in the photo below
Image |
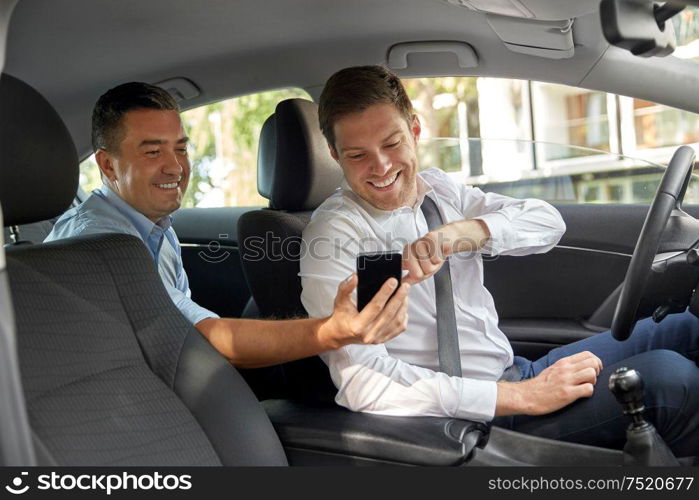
150	170
377	150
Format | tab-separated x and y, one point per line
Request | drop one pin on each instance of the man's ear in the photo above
105	162
333	153
416	128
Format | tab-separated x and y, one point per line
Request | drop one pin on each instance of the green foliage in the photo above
223	149
90	175
686	25
224	138
437	102
443	122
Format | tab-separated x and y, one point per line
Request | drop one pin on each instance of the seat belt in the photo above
447	336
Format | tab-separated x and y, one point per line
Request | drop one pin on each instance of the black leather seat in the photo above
296	174
112	373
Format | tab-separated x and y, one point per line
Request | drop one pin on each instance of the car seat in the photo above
296	174
112	373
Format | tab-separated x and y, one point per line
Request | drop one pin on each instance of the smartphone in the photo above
373	269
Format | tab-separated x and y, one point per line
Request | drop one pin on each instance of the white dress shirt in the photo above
401	377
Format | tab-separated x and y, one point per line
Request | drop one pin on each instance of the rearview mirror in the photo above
639	26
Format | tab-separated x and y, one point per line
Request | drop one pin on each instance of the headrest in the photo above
38	160
294	168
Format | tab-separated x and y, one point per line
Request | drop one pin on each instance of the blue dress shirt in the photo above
105	212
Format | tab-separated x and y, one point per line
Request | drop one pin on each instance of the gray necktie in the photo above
447	337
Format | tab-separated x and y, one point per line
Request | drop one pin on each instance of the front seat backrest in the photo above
113	374
296	174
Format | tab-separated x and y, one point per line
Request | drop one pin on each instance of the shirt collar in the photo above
423	189
143	224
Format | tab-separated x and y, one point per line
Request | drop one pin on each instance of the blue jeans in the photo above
666	355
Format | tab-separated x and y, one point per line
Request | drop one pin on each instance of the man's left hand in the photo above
425	256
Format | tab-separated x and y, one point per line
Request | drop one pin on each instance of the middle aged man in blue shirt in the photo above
141	149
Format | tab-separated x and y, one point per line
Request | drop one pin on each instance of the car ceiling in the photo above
73	50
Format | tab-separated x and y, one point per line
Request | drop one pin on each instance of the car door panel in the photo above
569	293
211	257
563	283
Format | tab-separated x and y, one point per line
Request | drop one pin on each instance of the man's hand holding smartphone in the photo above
383	318
381	312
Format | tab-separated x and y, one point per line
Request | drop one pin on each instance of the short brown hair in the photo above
355	89
115	103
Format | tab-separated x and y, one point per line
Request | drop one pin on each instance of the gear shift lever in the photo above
627	387
644	446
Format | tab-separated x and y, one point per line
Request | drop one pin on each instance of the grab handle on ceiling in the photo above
465	55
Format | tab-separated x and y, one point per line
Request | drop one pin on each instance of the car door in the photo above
570	292
211	257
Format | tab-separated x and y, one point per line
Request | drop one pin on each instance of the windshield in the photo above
552	172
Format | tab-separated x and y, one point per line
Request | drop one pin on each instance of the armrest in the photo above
333	430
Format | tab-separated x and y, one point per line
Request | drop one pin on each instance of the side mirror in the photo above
639	26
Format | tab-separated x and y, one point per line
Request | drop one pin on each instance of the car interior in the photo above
97	366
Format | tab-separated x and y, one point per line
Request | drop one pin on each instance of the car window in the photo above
686	25
223	150
556	142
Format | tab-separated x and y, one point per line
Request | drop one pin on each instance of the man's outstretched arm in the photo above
255	343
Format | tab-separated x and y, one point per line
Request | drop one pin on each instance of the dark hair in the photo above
115	103
355	89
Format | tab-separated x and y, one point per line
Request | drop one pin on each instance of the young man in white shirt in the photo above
373	133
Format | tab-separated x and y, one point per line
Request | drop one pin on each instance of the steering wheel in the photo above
667	199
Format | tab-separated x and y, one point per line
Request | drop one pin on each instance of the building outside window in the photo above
479	130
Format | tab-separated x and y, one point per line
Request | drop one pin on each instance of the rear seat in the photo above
32	233
29	233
